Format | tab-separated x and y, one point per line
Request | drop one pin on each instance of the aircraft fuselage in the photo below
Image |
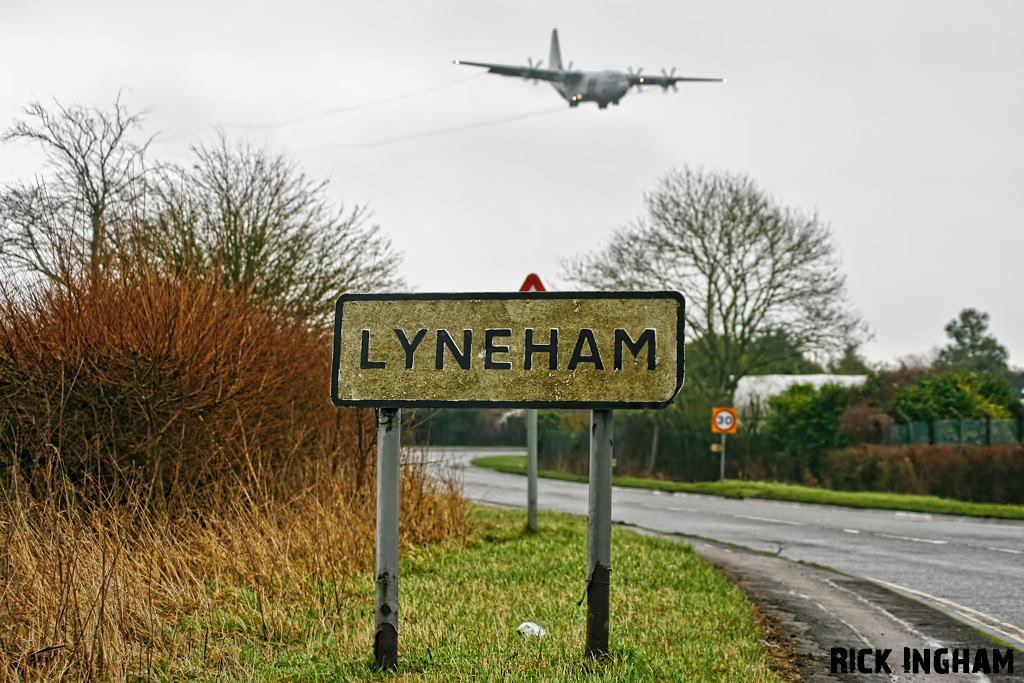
603	87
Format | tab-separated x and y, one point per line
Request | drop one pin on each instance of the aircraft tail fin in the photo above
555	58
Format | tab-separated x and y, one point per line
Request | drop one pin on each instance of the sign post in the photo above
723	421
595	350
599	532
531	284
385	606
531	469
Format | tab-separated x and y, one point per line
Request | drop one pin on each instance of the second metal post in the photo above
599	532
531	469
721	461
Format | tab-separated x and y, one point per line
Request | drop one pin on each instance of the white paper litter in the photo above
528	628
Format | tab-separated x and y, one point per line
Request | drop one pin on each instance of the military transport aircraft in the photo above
603	87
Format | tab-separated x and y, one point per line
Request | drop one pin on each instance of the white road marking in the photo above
914	539
769	519
916	515
851	531
854	629
992	523
988	621
1007	550
682	509
928	641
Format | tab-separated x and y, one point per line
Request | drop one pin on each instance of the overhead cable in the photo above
432	133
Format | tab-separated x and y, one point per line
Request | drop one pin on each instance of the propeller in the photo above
637	75
531	65
568	68
667	76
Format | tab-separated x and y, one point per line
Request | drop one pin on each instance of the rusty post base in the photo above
385	648
597	612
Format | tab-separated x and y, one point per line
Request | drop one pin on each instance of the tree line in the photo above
242	214
763	284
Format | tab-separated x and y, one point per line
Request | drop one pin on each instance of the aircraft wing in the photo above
667	81
529	73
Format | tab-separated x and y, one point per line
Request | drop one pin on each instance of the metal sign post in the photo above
531	469
583	350
599	532
532	283
721	462
385	606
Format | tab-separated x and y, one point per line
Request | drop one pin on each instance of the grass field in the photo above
516	464
673	617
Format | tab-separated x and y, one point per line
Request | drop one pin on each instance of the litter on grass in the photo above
528	628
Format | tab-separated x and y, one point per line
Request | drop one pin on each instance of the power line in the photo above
432	133
355	107
328	112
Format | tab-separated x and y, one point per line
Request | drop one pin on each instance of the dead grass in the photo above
160	441
94	595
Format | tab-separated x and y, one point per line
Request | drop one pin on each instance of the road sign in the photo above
532	284
598	350
723	420
716	448
532	349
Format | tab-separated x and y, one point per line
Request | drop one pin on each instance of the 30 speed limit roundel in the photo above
723	420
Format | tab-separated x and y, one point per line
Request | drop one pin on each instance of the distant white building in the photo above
753	391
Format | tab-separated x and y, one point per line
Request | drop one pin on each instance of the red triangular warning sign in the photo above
532	284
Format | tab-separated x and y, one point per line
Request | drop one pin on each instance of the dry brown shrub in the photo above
864	423
159	440
982	474
180	388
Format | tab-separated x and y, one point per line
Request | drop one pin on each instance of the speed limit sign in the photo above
723	420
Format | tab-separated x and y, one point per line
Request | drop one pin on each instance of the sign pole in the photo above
531	469
723	421
385	608
599	532
532	283
721	467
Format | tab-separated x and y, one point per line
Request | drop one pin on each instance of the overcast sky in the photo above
900	123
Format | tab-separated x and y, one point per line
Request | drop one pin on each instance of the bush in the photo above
954	395
166	438
180	389
976	474
803	423
162	445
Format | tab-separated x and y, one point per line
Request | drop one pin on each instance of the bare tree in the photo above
748	268
71	221
267	230
250	217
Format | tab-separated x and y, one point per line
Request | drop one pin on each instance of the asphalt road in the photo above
970	568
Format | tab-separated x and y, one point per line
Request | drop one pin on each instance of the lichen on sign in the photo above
586	350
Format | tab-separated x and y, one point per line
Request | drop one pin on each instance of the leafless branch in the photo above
72	220
748	268
258	222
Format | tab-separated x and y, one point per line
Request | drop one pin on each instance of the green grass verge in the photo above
674	617
516	464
